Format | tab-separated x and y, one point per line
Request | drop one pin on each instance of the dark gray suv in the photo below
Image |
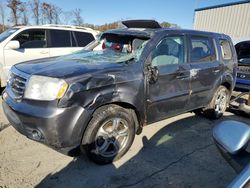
97	99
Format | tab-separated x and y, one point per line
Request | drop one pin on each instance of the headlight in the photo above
9	77
45	88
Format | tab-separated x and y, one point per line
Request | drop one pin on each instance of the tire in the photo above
219	103
109	135
198	112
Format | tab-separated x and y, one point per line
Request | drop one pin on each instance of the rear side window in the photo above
226	49
60	38
202	49
83	38
32	38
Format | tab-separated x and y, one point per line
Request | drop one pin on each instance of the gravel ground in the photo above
176	152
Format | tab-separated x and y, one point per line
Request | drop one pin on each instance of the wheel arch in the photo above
227	85
228	81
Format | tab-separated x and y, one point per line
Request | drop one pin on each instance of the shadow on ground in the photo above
181	154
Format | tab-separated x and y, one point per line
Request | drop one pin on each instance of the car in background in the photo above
243	73
24	43
98	100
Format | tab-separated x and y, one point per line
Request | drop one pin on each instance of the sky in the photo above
173	11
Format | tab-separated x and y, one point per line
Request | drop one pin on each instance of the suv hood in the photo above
66	68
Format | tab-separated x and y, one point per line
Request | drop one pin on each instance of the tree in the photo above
113	25
45	7
14	6
66	17
23	10
50	13
2	14
165	24
35	7
78	20
57	11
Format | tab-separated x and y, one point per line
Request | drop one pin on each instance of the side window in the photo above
60	38
32	38
169	50
225	49
83	38
202	49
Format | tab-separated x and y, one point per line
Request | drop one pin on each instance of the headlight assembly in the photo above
45	88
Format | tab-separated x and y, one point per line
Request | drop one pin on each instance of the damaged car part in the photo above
130	77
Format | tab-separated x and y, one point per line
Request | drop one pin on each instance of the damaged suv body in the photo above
99	99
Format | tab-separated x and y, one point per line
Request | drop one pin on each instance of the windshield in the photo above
115	50
7	33
243	52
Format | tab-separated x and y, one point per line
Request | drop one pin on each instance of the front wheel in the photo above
219	103
109	134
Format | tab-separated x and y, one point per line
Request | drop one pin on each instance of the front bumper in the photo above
243	81
242	85
59	128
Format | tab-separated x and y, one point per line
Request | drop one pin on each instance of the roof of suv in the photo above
145	32
148	28
61	27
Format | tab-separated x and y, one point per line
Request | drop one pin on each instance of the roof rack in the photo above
69	26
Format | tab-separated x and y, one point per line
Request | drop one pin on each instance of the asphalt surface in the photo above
176	152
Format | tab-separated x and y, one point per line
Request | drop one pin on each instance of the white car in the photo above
26	43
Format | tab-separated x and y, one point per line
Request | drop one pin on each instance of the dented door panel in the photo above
169	95
203	78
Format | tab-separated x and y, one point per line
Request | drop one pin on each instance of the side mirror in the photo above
233	136
13	45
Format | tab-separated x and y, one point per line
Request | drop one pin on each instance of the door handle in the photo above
44	52
182	76
216	70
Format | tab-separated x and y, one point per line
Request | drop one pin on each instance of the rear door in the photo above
205	70
64	42
168	94
81	39
60	42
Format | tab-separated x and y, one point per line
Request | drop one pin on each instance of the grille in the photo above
244	68
17	85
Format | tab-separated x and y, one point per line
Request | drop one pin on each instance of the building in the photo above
232	19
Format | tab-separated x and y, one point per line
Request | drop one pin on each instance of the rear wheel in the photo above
219	103
109	134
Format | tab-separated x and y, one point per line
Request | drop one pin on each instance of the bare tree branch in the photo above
57	11
2	15
14	6
35	7
78	20
24	10
66	17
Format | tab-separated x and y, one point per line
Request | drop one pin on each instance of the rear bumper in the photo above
58	128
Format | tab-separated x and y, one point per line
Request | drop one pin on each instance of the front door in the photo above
168	93
33	45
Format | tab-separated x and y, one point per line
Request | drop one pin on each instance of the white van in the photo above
26	43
